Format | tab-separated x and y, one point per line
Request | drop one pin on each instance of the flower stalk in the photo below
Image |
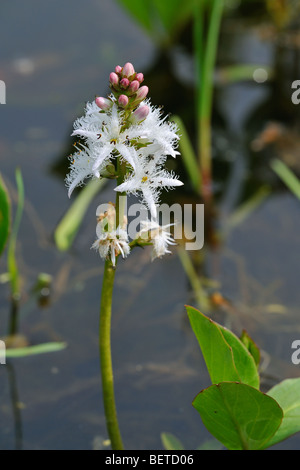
106	358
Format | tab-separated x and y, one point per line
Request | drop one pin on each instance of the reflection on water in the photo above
53	61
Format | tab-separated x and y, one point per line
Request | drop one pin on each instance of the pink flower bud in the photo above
124	83
141	113
128	70
113	78
103	103
134	86
123	101
139	77
118	69
142	93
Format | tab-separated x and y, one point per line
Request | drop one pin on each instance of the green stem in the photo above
198	49
105	358
195	281
105	328
205	93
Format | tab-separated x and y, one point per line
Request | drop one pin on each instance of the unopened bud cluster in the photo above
126	87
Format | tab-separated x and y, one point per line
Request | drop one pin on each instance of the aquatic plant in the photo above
233	408
125	138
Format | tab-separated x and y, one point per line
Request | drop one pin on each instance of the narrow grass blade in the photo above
287	176
68	227
11	254
4	215
247	208
36	349
240	72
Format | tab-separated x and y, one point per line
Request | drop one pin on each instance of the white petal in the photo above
85	133
170	182
76	181
128	186
150	201
104	152
127	154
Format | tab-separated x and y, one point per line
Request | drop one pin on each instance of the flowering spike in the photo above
123	101
128	70
132	131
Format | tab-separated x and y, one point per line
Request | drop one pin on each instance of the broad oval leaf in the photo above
239	416
287	394
4	215
226	357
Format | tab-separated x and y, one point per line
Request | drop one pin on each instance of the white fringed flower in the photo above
111	244
81	167
159	235
162	134
125	128
149	179
106	137
103	141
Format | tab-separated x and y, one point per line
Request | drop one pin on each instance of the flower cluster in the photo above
124	137
111	242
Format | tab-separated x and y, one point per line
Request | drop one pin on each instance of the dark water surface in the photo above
54	57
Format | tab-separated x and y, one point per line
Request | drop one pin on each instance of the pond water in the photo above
56	56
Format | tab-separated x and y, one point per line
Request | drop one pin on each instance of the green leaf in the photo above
170	442
251	346
226	357
239	72
11	252
69	225
287	394
36	349
161	19
4	215
142	12
174	14
287	176
239	416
